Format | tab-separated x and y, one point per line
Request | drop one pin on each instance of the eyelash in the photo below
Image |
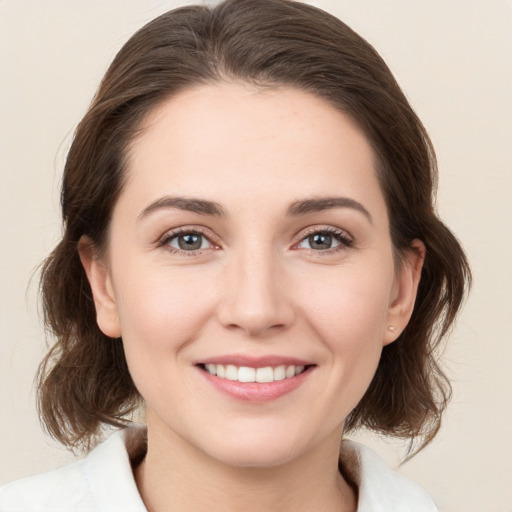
169	237
345	241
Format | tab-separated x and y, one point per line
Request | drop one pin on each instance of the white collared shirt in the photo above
103	482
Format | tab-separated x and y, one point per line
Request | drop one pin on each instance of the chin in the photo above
258	449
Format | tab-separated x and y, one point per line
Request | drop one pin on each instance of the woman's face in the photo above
251	240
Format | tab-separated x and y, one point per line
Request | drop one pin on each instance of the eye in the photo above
324	240
186	241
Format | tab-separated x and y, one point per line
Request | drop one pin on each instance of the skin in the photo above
256	287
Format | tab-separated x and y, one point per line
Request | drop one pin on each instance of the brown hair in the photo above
84	381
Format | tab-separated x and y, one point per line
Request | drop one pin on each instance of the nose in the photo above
256	299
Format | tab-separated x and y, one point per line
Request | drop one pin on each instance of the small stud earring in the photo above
391	328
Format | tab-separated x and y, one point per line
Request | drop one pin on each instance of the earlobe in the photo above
405	291
101	286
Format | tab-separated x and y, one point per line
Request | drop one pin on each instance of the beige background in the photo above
452	57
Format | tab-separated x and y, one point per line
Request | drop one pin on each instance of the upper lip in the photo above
255	361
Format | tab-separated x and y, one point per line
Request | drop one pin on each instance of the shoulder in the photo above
64	488
380	488
103	481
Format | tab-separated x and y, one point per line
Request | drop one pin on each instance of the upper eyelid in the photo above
323	229
172	233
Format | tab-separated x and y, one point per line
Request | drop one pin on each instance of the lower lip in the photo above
256	391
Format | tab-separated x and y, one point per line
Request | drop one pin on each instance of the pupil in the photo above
320	241
189	242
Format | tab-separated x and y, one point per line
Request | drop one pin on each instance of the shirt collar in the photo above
109	472
379	488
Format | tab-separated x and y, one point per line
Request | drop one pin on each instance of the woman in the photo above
251	256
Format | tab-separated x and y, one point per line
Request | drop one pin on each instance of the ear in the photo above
101	285
404	291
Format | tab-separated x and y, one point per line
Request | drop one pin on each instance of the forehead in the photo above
241	141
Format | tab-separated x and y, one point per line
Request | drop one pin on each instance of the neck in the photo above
175	472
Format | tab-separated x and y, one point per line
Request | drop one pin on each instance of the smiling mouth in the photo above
249	374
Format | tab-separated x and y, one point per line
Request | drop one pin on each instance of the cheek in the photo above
349	316
160	311
350	306
160	314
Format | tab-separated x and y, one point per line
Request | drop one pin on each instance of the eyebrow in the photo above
301	207
201	206
314	205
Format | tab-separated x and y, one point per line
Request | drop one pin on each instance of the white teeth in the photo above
212	368
265	374
231	372
248	374
280	373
